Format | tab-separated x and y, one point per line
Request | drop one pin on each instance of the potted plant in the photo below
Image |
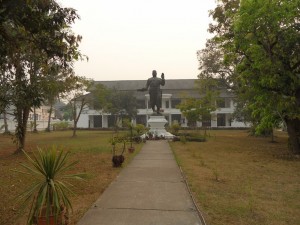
118	160
131	148
48	195
130	126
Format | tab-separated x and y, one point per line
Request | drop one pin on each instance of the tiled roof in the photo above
171	84
177	87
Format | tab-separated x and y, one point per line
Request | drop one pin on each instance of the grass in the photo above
91	148
242	180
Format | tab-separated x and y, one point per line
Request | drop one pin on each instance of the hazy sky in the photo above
128	39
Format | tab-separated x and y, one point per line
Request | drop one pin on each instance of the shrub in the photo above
63	125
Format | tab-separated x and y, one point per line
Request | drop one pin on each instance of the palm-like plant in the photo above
50	189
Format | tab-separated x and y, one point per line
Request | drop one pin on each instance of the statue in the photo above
153	84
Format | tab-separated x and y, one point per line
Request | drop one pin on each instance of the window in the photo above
174	103
141	119
206	121
176	117
141	104
167	104
221	120
111	121
97	121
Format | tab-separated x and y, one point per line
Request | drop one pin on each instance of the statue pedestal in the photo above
157	126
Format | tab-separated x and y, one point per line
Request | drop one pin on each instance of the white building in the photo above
41	114
173	93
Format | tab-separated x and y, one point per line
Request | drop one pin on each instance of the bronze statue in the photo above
153	84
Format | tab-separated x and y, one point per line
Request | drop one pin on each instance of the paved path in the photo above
150	190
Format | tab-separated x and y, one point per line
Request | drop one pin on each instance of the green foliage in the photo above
50	188
118	103
255	52
78	98
197	109
183	139
37	52
140	129
174	128
67	112
270	67
100	95
61	125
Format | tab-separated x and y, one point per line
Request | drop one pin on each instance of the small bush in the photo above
189	137
63	125
183	139
140	129
174	128
196	139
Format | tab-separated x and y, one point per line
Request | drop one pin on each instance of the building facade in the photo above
173	93
41	115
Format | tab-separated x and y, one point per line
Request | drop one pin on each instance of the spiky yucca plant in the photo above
50	189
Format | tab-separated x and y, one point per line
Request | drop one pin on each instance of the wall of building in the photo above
172	96
41	115
220	118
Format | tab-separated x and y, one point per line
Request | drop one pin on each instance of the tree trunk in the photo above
293	129
21	128
22	110
74	120
6	131
74	130
75	116
49	117
34	121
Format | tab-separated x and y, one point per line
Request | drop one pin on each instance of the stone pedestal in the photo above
157	126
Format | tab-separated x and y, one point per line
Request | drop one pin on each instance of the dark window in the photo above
221	120
111	121
167	104
176	117
174	103
141	104
206	121
141	119
97	121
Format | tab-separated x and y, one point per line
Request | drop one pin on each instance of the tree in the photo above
260	41
199	109
117	103
4	99
78	98
33	35
56	85
267	35
122	103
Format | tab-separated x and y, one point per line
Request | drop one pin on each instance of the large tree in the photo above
33	35
267	37
259	41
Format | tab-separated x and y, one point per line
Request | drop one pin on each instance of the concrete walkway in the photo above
150	190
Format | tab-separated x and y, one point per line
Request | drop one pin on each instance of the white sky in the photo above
127	39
